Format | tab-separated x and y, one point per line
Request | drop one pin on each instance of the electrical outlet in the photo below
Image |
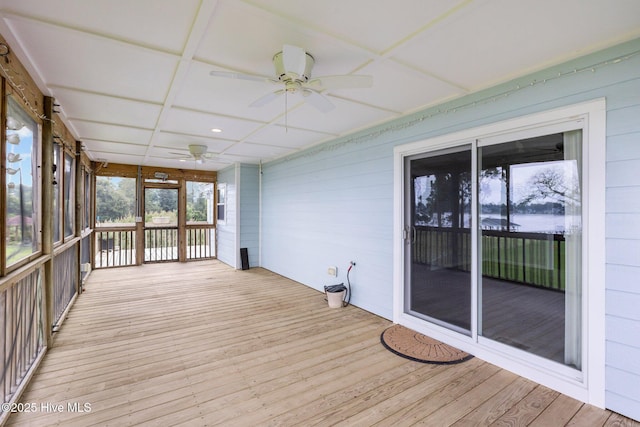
332	271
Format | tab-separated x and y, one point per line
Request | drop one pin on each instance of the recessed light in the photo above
216	130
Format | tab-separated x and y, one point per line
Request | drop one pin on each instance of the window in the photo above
86	218
199	202
22	226
115	201
69	195
221	203
57	205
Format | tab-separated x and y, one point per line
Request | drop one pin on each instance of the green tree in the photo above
114	202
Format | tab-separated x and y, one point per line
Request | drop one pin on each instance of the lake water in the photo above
542	223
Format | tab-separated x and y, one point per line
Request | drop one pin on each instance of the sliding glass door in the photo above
530	203
527	232
438	237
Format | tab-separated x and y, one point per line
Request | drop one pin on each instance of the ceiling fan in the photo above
196	152
293	74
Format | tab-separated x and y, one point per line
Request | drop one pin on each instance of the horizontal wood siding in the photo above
328	209
332	204
623	243
249	194
226	233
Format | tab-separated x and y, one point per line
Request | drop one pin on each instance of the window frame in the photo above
36	183
221	201
68	206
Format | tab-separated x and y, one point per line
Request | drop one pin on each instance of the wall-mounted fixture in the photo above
161	175
13	157
14	124
13	138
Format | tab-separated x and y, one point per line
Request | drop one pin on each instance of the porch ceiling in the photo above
133	82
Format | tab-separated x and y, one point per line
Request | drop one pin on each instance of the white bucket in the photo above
335	299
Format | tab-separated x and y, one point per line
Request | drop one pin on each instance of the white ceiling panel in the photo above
90	106
163	24
344	117
262	151
197	123
137	72
91	63
125	158
353	21
176	141
114	147
520	38
107	132
224	96
400	89
263	35
290	137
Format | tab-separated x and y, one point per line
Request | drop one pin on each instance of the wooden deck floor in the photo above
202	344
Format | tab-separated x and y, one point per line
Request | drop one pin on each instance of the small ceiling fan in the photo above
197	153
293	74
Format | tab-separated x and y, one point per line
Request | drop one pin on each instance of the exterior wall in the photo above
227	233
333	203
623	245
249	195
242	226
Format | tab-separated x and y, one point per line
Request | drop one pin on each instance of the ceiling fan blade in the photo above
318	100
241	76
294	59
341	82
266	99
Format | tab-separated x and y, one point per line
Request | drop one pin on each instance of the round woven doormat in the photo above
420	348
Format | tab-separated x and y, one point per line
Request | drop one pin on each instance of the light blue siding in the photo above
226	233
249	211
334	203
241	228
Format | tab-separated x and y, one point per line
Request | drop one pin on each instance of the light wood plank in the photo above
202	344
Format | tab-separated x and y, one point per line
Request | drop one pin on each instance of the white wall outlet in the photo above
332	271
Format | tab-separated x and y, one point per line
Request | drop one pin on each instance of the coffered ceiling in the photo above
133	81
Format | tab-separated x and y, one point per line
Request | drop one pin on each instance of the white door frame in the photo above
588	385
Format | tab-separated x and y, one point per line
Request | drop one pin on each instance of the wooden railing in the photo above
530	258
85	255
21	329
200	242
65	279
115	247
160	244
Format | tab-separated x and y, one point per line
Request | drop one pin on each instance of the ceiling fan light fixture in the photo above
296	69
197	150
293	67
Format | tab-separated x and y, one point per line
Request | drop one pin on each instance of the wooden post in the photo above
182	221
47	217
3	187
79	196
139	242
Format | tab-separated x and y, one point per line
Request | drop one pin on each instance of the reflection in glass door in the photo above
531	237
161	238
438	238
